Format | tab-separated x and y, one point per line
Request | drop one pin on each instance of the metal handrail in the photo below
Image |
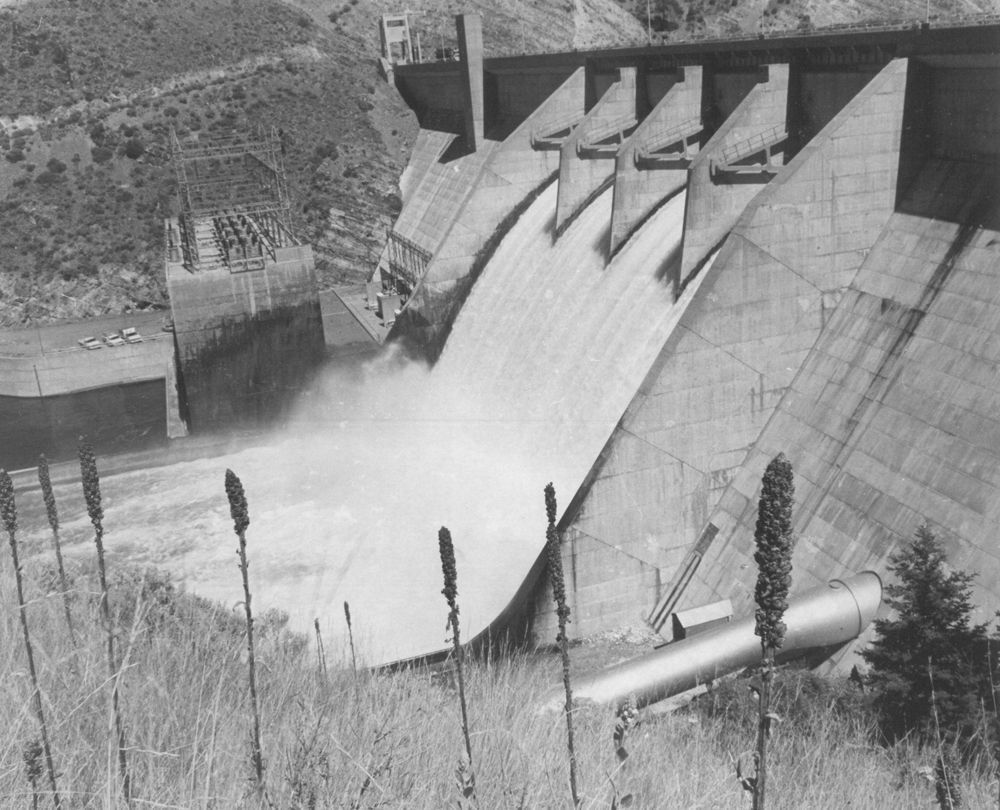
659	137
753	144
548	129
608	129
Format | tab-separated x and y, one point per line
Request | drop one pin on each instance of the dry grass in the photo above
390	739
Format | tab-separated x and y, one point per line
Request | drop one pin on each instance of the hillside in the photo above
89	91
671	20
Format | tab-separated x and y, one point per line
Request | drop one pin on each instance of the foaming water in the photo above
345	504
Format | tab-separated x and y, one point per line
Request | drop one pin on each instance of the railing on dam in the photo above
407	260
731	160
652	150
553	134
607	137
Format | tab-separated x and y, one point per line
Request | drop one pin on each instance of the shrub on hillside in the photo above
48	178
14	155
804	701
134	148
55	166
101	154
929	663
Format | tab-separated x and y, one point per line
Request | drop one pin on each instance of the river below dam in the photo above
346	501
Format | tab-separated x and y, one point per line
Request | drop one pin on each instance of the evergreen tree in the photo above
928	646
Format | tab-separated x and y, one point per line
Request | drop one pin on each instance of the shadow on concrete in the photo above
669	271
964	192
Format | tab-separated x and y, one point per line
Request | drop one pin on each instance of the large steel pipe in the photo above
823	617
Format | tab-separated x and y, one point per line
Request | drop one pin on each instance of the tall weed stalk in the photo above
53	515
555	570
92	495
241	519
450	591
8	511
350	638
774	541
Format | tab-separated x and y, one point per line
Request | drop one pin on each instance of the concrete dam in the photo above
639	274
693	257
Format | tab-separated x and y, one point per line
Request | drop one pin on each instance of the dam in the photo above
831	298
640	274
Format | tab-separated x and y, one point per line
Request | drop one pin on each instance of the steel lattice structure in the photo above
234	204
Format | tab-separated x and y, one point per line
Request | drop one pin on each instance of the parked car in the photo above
131	334
89	343
114	339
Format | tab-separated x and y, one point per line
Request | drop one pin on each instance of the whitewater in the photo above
346	501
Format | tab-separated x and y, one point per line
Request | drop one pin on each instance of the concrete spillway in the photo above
848	317
556	342
345	505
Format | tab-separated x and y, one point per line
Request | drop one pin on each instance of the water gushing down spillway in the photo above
345	504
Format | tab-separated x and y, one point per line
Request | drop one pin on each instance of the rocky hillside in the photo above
670	20
89	91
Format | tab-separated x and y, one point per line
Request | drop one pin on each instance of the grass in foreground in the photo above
390	739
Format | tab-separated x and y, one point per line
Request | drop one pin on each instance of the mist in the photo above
346	499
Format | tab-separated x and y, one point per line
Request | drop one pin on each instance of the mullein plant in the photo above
241	520
350	638
50	510
8	513
92	495
32	755
320	652
466	775
553	553
774	540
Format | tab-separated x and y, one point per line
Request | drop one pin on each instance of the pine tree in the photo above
929	636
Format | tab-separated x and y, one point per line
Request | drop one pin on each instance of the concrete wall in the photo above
470	45
52	390
893	418
756	313
435	94
818	95
514	93
246	342
714	207
73	369
965	118
638	191
582	175
448	175
115	418
511	171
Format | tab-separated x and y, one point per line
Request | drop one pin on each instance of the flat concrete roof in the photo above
33	341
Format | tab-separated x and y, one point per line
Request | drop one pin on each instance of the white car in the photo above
131	334
114	339
89	343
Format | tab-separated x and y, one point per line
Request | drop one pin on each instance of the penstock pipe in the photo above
822	617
